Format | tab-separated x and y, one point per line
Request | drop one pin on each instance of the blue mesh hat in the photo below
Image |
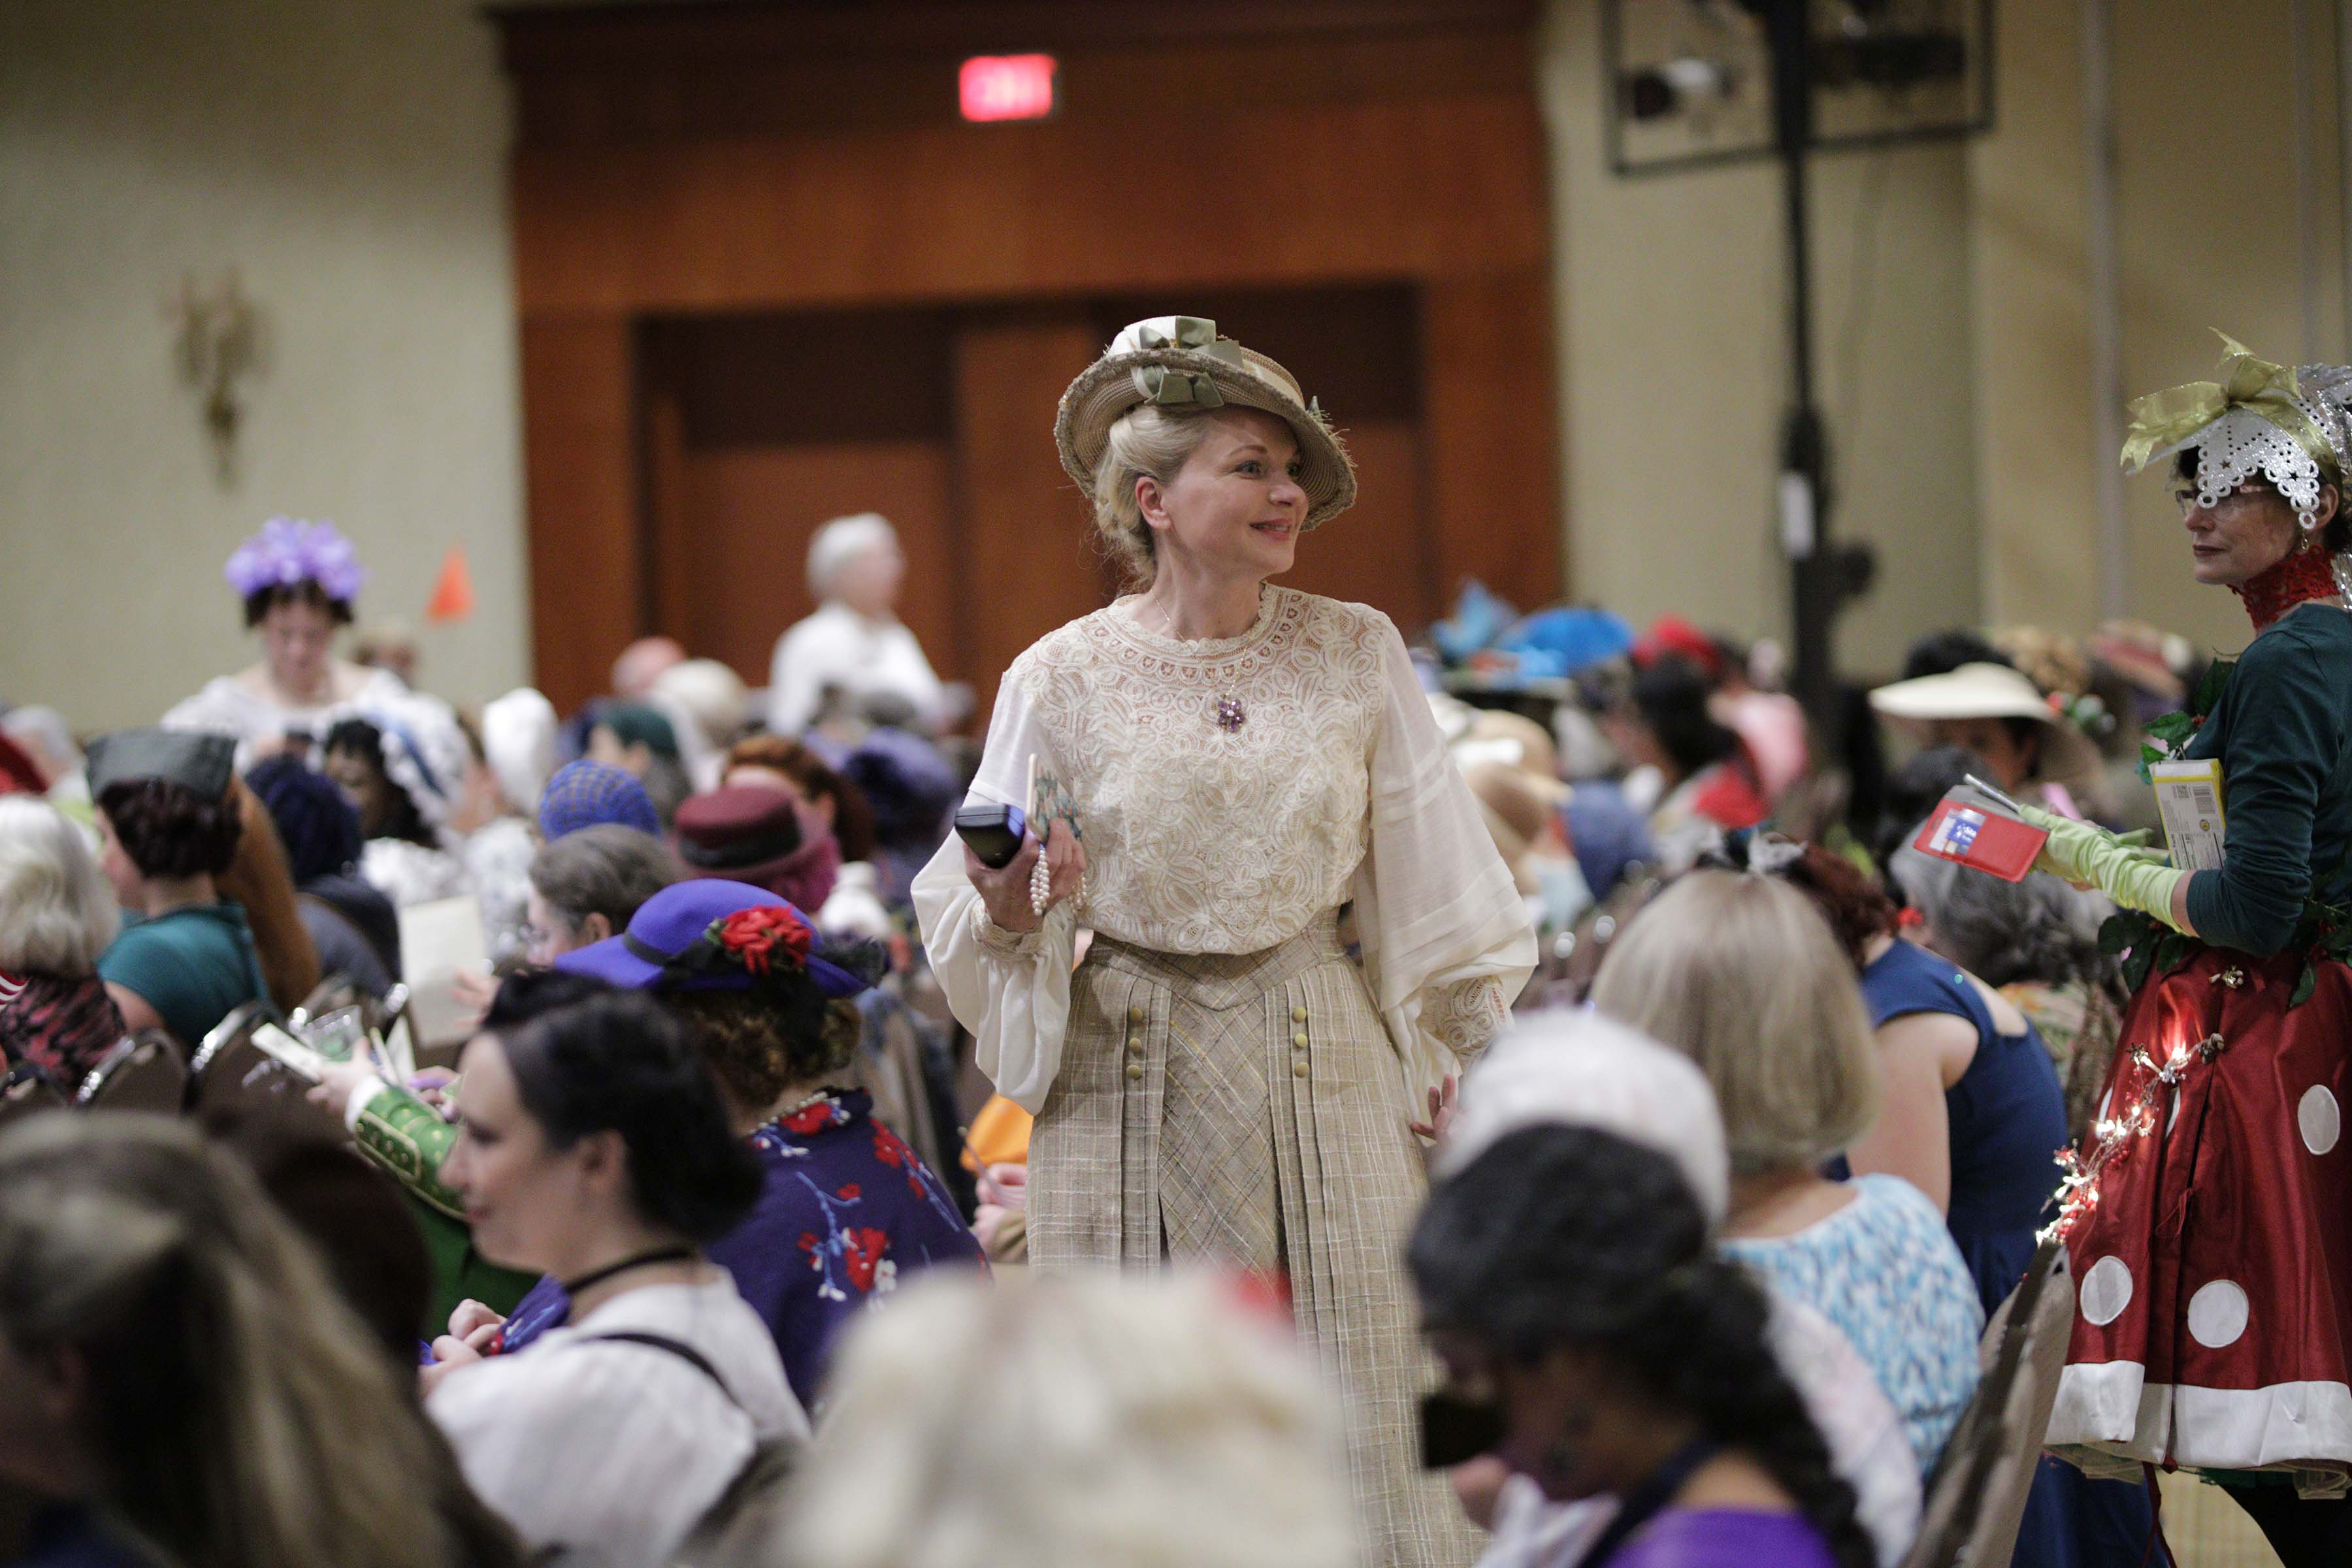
584	793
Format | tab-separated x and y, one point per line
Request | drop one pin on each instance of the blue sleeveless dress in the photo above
2008	1119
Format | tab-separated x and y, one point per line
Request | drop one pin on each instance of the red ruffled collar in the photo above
2304	575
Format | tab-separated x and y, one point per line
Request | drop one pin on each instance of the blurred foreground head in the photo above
1084	1421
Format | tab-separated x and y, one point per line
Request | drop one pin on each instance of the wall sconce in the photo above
218	342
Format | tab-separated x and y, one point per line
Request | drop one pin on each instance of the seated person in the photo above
401	767
1739	973
1572	1068
351	921
57	915
1569	1287
167	827
135	1259
594	1148
583	794
586	886
846	1211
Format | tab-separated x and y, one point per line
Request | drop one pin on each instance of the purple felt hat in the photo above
669	945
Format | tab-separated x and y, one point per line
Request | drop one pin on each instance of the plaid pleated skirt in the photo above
1244	1110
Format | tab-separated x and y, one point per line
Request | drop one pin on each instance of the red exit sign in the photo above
1006	86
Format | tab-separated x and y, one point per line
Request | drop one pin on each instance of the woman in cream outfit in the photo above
1221	1078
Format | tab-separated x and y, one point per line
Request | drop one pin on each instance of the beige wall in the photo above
2207	237
1967	445
1674	373
347	158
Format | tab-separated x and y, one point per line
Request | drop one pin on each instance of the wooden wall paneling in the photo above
1327	194
754	510
1025	560
1490	443
668	520
1377	551
579	477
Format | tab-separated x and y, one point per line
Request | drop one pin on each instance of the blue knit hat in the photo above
584	793
315	819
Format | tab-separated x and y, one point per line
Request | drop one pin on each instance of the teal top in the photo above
2283	730
194	966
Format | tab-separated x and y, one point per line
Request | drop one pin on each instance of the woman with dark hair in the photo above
1708	783
401	765
353	926
594	1146
296	581
180	1380
847	1212
1567	1282
168	827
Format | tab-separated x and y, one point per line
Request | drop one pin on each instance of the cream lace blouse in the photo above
1335	785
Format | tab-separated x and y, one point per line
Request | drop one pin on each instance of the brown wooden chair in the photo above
232	1076
146	1072
1977	1499
25	1092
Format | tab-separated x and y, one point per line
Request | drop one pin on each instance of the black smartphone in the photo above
993	833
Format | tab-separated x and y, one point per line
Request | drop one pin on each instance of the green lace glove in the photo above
2121	866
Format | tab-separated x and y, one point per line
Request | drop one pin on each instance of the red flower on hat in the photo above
754	937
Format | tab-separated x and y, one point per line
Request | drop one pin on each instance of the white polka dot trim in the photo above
2319	1117
2217	1314
2106	1292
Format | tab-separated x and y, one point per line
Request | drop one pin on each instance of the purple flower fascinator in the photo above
289	551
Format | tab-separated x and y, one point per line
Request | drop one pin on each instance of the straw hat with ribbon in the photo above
2260	420
1179	363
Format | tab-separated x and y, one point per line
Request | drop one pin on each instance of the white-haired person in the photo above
1576	1069
855	647
1082	1421
1221	764
57	913
1739	973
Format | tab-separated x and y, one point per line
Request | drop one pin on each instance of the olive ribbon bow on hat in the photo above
1169	386
2167	418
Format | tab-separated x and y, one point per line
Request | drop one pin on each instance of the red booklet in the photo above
1972	829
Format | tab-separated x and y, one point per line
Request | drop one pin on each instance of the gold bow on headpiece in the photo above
1168	385
2166	418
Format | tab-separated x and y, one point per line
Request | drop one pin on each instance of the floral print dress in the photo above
846	1211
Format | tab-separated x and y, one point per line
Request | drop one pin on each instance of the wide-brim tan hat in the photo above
1179	362
1988	691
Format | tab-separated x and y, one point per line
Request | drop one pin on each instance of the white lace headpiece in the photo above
2259	421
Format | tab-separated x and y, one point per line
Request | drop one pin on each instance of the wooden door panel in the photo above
750	512
1376	552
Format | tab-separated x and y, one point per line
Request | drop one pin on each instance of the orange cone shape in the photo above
453	591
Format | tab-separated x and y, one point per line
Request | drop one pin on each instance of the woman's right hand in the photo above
1005	891
470	1319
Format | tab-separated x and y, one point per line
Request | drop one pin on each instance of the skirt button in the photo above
1299	1039
1135	1015
1298	1015
1135	1070
1134	1047
1297	1069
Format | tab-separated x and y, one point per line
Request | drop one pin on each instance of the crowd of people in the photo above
1534	1096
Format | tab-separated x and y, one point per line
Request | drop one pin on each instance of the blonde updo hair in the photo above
1741	974
1151	442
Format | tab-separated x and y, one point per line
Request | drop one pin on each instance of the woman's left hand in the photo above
449	1354
1440	1110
